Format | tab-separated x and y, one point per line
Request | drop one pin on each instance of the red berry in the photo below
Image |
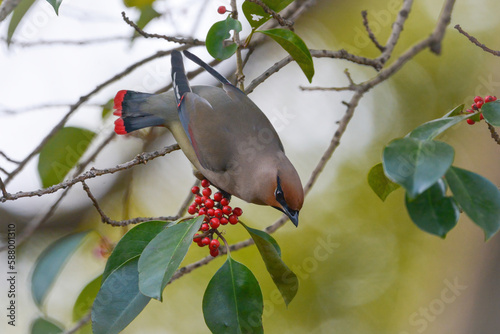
209	203
205	183
481	117
218	196
214	244
233	219
207	192
198	200
215	222
238	211
214	252
205	227
197	237
227	210
478	98
204	199
470	121
470	111
224	221
195	190
211	212
221	10
489	98
202	211
224	201
205	241
474	106
192	210
218	213
200	243
479	104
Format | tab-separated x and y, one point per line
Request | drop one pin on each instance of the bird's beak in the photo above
292	214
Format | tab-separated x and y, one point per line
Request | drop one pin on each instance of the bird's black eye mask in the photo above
279	195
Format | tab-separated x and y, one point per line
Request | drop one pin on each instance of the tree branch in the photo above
281	21
364	14
476	42
93	172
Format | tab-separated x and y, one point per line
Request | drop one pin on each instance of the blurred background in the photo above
363	266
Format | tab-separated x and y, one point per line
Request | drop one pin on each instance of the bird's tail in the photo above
207	67
136	111
179	80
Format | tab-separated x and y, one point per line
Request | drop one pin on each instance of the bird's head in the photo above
285	191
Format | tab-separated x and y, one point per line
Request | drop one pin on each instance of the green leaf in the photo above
163	255
85	299
55	4
17	15
286	281
45	326
295	46
491	112
232	302
131	245
61	153
50	263
256	16
432	211
416	164
432	129
478	198
380	183
455	111
119	300
138	3
216	36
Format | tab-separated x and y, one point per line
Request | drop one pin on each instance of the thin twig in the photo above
9	159
2	187
112	222
67	42
494	134
4	171
397	27
364	14
81	101
93	172
475	41
240	77
281	21
187	41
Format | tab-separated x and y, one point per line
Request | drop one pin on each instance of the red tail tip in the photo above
118	102
120	127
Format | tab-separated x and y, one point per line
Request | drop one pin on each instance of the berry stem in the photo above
226	245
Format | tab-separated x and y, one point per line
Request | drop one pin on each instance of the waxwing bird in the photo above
225	136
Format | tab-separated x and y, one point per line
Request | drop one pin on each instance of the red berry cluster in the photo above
217	212
478	103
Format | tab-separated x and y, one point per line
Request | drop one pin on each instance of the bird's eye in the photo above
278	193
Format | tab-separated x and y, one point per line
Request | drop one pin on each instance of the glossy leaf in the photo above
83	303
416	164
233	302
432	129
257	16
286	281
432	211
380	183
163	255
455	111
55	4
218	33
17	15
478	198
61	153
119	300
295	46
45	326
491	112
138	3
50	263
132	244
